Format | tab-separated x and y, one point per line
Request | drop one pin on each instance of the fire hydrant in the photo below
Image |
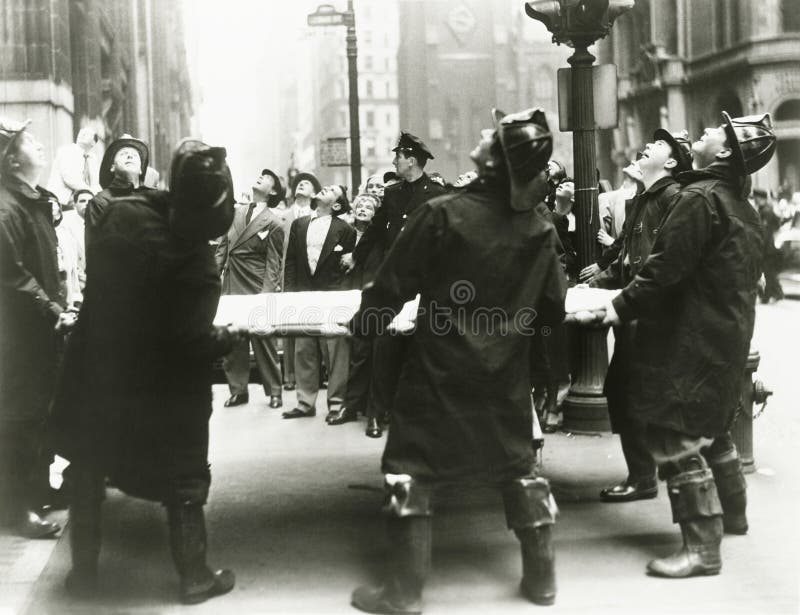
753	392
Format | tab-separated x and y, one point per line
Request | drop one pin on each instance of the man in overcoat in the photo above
313	262
662	160
122	172
694	302
463	410
250	256
400	201
32	302
134	400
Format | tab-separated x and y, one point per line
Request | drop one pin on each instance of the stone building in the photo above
680	63
117	65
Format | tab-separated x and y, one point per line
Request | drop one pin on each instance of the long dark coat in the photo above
694	299
644	216
135	394
31	298
463	408
400	200
99	204
250	255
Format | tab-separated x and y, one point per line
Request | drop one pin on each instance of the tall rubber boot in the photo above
696	507
530	513
87	492
409	526
187	536
732	490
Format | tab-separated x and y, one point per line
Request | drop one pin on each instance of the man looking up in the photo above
122	172
694	302
660	162
249	256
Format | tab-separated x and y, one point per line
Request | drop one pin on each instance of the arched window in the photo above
790	16
788	111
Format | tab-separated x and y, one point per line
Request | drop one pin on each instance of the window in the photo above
790	16
371	151
342	119
388	89
369	88
368	62
370	119
389	119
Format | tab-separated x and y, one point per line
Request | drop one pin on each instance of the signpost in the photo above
333	152
327	15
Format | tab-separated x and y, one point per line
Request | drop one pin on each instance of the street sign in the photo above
334	152
327	15
604	78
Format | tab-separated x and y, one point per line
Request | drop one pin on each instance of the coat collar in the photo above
256	223
659	185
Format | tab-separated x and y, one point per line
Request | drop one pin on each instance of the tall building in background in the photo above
460	58
681	63
320	92
117	65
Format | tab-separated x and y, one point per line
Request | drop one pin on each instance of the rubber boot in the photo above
696	507
408	527
187	533
530	512
86	490
732	490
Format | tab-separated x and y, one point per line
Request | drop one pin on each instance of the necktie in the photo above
250	211
87	174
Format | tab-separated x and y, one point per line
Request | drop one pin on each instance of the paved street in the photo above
294	506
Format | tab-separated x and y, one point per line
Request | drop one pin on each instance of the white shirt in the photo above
300	211
67	173
318	229
257	211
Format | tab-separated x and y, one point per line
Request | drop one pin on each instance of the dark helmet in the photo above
527	143
126	140
202	191
752	141
10	131
681	147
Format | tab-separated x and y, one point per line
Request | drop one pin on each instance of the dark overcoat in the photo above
488	277
250	255
400	200
134	398
98	206
31	298
694	299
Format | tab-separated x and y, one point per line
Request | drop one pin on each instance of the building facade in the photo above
316	101
116	65
681	63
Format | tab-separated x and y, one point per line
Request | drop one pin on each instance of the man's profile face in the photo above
82	202
655	156
264	185
127	160
304	188
402	163
329	195
481	154
712	142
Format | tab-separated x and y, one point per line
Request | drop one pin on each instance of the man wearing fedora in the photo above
660	162
400	201
122	173
249	256
694	306
32	302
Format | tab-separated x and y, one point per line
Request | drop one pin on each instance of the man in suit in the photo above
313	262
249	256
400	201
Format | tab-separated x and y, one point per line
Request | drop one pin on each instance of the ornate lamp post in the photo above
579	24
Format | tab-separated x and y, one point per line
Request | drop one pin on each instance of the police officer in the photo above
135	397
694	302
663	159
462	410
400	201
